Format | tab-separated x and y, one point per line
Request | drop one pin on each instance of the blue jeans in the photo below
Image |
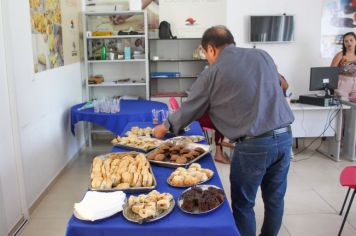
260	162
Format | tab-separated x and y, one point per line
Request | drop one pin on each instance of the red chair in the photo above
173	103
347	179
175	106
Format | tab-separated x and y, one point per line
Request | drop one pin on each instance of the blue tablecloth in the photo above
130	110
217	223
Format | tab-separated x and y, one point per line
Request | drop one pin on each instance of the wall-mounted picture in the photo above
54	26
338	17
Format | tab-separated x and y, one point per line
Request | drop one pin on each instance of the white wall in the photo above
293	59
43	101
10	195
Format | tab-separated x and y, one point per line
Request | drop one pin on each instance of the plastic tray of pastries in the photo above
136	143
124	171
177	154
189	138
192	202
184	178
148	208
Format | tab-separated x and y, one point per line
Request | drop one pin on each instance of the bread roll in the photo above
126	177
123	186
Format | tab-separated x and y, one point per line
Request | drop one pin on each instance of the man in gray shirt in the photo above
240	91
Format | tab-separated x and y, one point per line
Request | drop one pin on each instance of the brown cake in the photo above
202	200
188	204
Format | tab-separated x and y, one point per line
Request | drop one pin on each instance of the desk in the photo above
130	110
177	223
349	142
313	121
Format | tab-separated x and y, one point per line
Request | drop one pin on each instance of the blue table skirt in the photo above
130	110
217	223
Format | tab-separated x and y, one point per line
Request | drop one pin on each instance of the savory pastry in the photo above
191	176
121	170
96	182
123	186
184	151
177	180
174	157
150	205
163	204
199	149
127	177
181	160
106	184
151	155
160	157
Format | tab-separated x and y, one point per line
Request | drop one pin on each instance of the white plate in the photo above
130	216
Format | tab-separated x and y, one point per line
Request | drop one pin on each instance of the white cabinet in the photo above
174	66
124	66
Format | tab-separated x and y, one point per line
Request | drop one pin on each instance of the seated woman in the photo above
346	61
219	156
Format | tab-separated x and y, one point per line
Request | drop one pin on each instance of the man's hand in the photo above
160	131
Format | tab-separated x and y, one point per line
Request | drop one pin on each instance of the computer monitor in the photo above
324	78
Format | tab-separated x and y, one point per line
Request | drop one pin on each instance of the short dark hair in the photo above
217	36
343	42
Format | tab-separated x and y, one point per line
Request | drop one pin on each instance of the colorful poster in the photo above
338	18
190	18
54	25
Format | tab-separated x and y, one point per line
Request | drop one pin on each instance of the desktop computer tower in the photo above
317	101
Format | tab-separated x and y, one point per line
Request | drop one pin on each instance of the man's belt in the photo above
267	134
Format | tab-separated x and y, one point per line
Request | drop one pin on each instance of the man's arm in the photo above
195	106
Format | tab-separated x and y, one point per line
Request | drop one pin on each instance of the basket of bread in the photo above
128	171
194	175
147	208
176	154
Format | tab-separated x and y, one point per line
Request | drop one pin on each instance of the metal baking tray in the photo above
131	216
126	190
134	148
197	212
187	145
184	138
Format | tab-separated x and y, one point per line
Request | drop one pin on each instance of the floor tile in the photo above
316	225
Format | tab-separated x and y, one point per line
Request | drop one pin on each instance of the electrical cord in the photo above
330	118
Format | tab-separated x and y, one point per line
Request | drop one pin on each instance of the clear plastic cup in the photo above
164	115
155	116
96	104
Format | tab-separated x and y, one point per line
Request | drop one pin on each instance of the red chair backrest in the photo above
173	103
348	177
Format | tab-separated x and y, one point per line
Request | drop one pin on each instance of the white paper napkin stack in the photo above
99	205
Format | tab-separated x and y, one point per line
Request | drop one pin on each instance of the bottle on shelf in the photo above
103	52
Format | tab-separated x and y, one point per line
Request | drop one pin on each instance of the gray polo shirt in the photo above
241	93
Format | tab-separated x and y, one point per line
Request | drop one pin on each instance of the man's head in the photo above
214	40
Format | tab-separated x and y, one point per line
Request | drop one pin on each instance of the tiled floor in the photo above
312	202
